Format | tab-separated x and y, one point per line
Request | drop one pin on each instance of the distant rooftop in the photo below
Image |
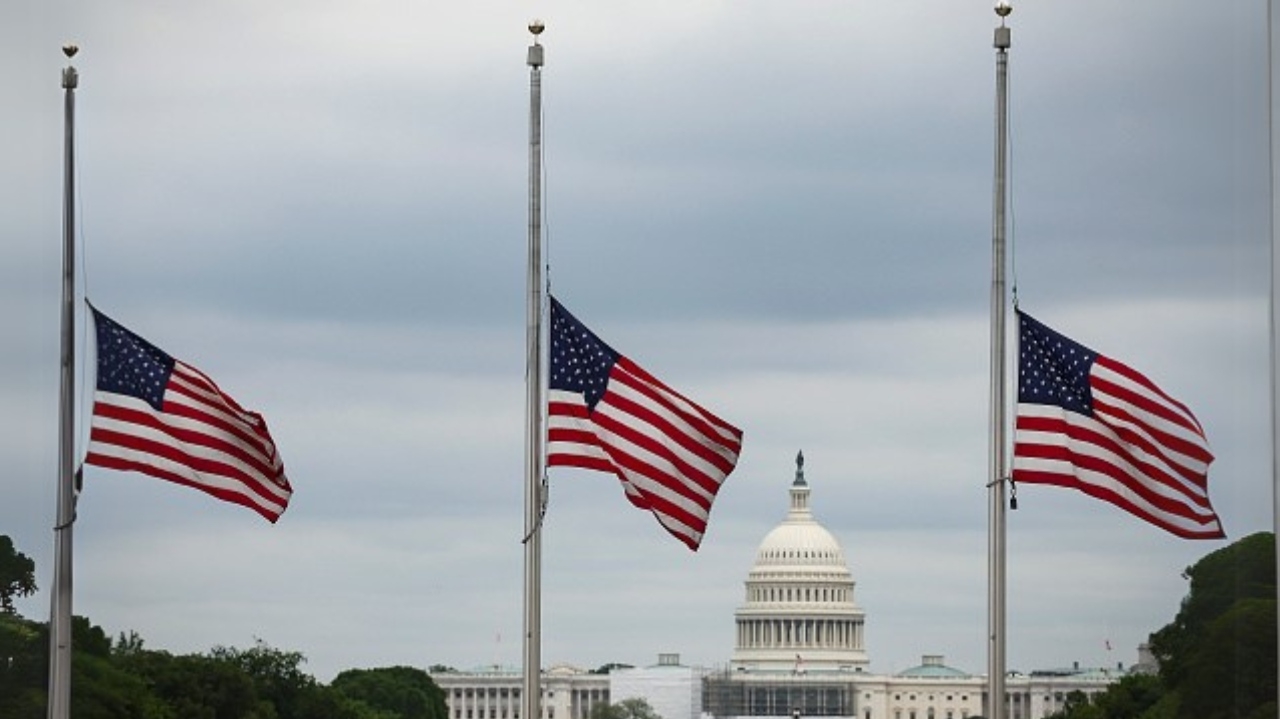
933	667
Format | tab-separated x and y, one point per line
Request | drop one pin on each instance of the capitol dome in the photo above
799	614
796	541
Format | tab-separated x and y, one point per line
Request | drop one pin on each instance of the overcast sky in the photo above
782	209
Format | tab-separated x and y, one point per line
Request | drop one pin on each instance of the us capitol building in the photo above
799	652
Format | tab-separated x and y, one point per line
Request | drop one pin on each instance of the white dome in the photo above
801	543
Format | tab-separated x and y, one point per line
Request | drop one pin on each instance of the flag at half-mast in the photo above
160	416
606	413
1088	422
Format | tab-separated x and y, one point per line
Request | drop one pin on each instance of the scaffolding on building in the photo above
728	694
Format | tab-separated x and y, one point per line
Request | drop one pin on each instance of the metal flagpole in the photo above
60	609
530	701
1273	97
997	450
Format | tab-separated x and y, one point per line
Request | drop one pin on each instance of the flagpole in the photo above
997	451
1273	310
60	610
530	699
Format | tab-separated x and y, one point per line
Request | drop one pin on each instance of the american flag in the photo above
159	416
606	413
1088	422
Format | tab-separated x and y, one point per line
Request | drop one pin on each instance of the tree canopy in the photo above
633	708
403	692
17	575
1218	655
607	668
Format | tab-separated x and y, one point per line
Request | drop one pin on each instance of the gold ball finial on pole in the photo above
70	78
1003	8
536	27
